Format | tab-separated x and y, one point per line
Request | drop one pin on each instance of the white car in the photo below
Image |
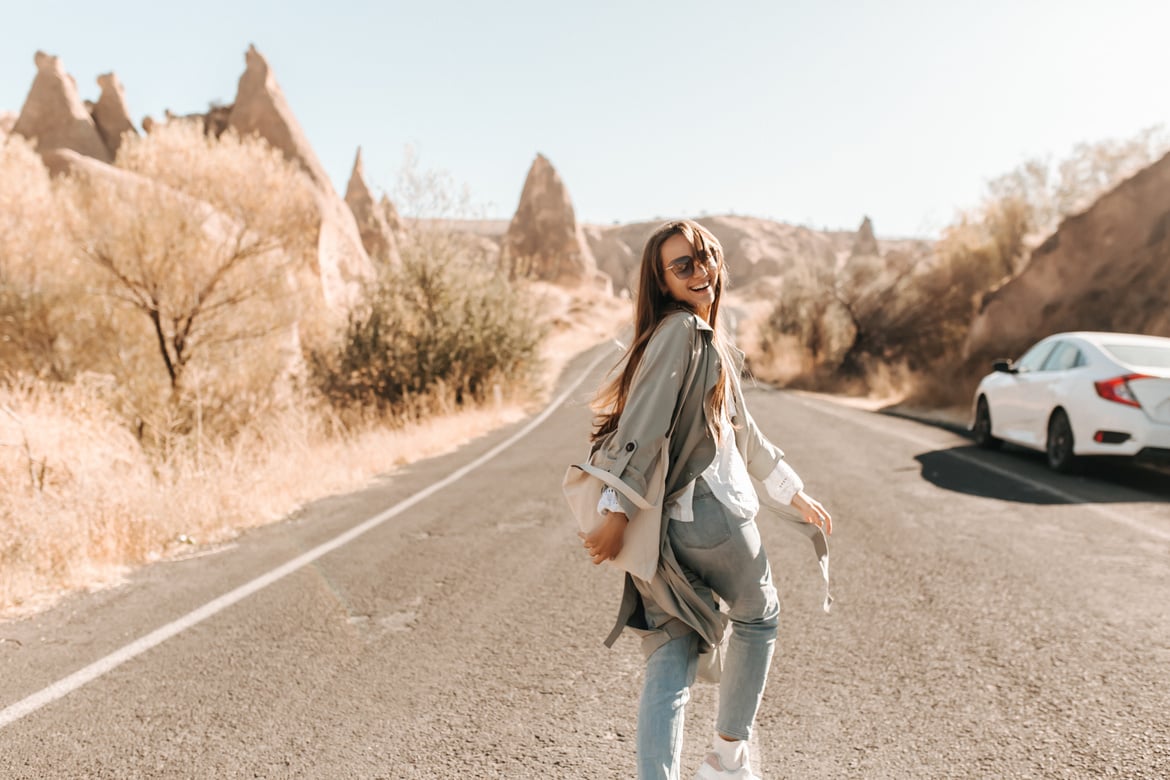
1078	394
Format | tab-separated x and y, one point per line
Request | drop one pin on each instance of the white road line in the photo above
1112	514
67	685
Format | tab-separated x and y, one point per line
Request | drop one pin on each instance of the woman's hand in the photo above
605	543
813	512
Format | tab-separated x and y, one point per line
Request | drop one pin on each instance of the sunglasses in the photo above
684	267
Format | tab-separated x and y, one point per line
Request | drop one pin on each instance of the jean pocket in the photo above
711	527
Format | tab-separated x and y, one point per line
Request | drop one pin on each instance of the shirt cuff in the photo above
609	502
783	483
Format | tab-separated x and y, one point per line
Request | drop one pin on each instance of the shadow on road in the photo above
1097	476
941	468
1094	476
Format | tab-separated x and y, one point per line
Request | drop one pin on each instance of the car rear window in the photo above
1140	355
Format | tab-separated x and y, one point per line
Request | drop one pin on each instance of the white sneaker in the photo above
712	769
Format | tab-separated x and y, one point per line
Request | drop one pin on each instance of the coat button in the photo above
629	446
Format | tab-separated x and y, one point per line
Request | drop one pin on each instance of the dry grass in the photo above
83	504
77	498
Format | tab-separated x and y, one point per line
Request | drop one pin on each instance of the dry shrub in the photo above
441	327
807	328
40	332
781	358
831	327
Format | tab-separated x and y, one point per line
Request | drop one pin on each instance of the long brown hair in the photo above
652	306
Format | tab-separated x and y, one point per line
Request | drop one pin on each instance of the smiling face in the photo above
696	292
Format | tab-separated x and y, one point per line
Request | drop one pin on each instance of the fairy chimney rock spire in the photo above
110	113
377	234
390	214
54	115
544	239
357	190
865	242
261	109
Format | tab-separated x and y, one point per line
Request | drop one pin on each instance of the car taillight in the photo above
1117	389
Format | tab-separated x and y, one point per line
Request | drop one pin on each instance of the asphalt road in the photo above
992	620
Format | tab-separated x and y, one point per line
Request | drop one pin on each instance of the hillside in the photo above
1106	268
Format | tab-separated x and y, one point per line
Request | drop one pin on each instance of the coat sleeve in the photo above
631	451
762	455
759	454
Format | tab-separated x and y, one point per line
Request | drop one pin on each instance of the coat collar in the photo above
700	323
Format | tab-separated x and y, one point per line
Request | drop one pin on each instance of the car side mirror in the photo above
1004	366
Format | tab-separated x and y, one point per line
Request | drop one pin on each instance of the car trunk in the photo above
1153	393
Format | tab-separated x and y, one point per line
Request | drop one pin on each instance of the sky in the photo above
813	113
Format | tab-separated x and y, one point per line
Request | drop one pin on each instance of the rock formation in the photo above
62	161
54	115
1107	268
260	108
614	257
390	215
866	242
134	187
377	235
544	240
7	122
214	120
110	113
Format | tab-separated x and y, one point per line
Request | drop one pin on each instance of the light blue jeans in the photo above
720	553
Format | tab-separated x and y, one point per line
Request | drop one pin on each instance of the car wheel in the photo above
1060	443
982	427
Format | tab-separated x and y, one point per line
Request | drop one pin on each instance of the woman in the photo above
680	369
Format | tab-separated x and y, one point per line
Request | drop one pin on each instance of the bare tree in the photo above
203	236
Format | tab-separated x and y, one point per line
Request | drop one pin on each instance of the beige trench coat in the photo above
681	340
